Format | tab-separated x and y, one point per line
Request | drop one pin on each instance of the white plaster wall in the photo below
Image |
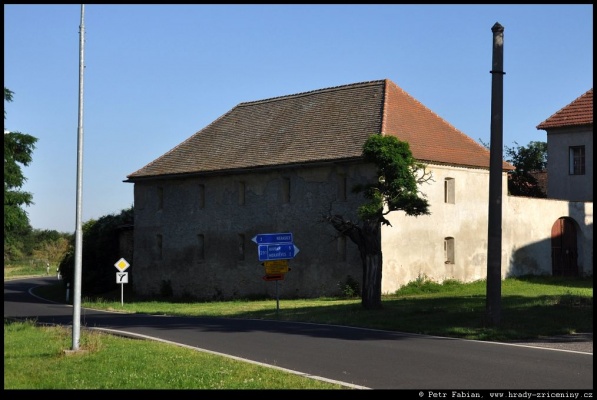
526	234
413	246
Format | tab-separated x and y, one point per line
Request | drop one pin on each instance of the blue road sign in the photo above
273	238
283	251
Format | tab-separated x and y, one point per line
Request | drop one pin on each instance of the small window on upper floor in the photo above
449	191
241	193
342	180
201	196
577	160
140	197
286	190
160	198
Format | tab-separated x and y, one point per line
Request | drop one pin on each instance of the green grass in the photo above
531	307
35	358
17	269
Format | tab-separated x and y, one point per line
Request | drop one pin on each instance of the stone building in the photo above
280	164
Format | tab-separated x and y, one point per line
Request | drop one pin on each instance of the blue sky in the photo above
156	74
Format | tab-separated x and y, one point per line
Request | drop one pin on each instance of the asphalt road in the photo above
355	357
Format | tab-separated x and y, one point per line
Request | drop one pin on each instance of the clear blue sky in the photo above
156	74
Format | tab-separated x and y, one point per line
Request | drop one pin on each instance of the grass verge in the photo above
35	357
531	307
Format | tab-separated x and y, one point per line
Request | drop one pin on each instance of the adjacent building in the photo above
570	150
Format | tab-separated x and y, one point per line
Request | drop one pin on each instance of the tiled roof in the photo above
322	125
579	112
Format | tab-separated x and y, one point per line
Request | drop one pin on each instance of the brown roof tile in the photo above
320	125
431	138
579	112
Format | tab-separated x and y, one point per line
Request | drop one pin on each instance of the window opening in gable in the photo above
577	160
449	250
449	191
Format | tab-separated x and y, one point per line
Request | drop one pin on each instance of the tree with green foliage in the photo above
18	150
395	189
101	248
527	160
52	251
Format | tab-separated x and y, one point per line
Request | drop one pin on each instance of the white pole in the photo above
79	225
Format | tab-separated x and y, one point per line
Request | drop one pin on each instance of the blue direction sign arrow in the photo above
282	251
273	238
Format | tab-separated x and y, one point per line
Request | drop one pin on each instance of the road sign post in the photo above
275	249
122	277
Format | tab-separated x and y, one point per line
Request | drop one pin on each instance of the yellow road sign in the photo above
276	263
276	270
122	264
275	267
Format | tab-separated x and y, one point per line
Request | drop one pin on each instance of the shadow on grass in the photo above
522	317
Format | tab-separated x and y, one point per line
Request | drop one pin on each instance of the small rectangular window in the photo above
449	191
241	193
286	190
241	247
201	196
577	160
200	247
449	250
140	197
160	198
341	243
159	246
342	187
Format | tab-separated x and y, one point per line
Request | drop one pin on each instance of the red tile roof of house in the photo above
329	124
577	113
